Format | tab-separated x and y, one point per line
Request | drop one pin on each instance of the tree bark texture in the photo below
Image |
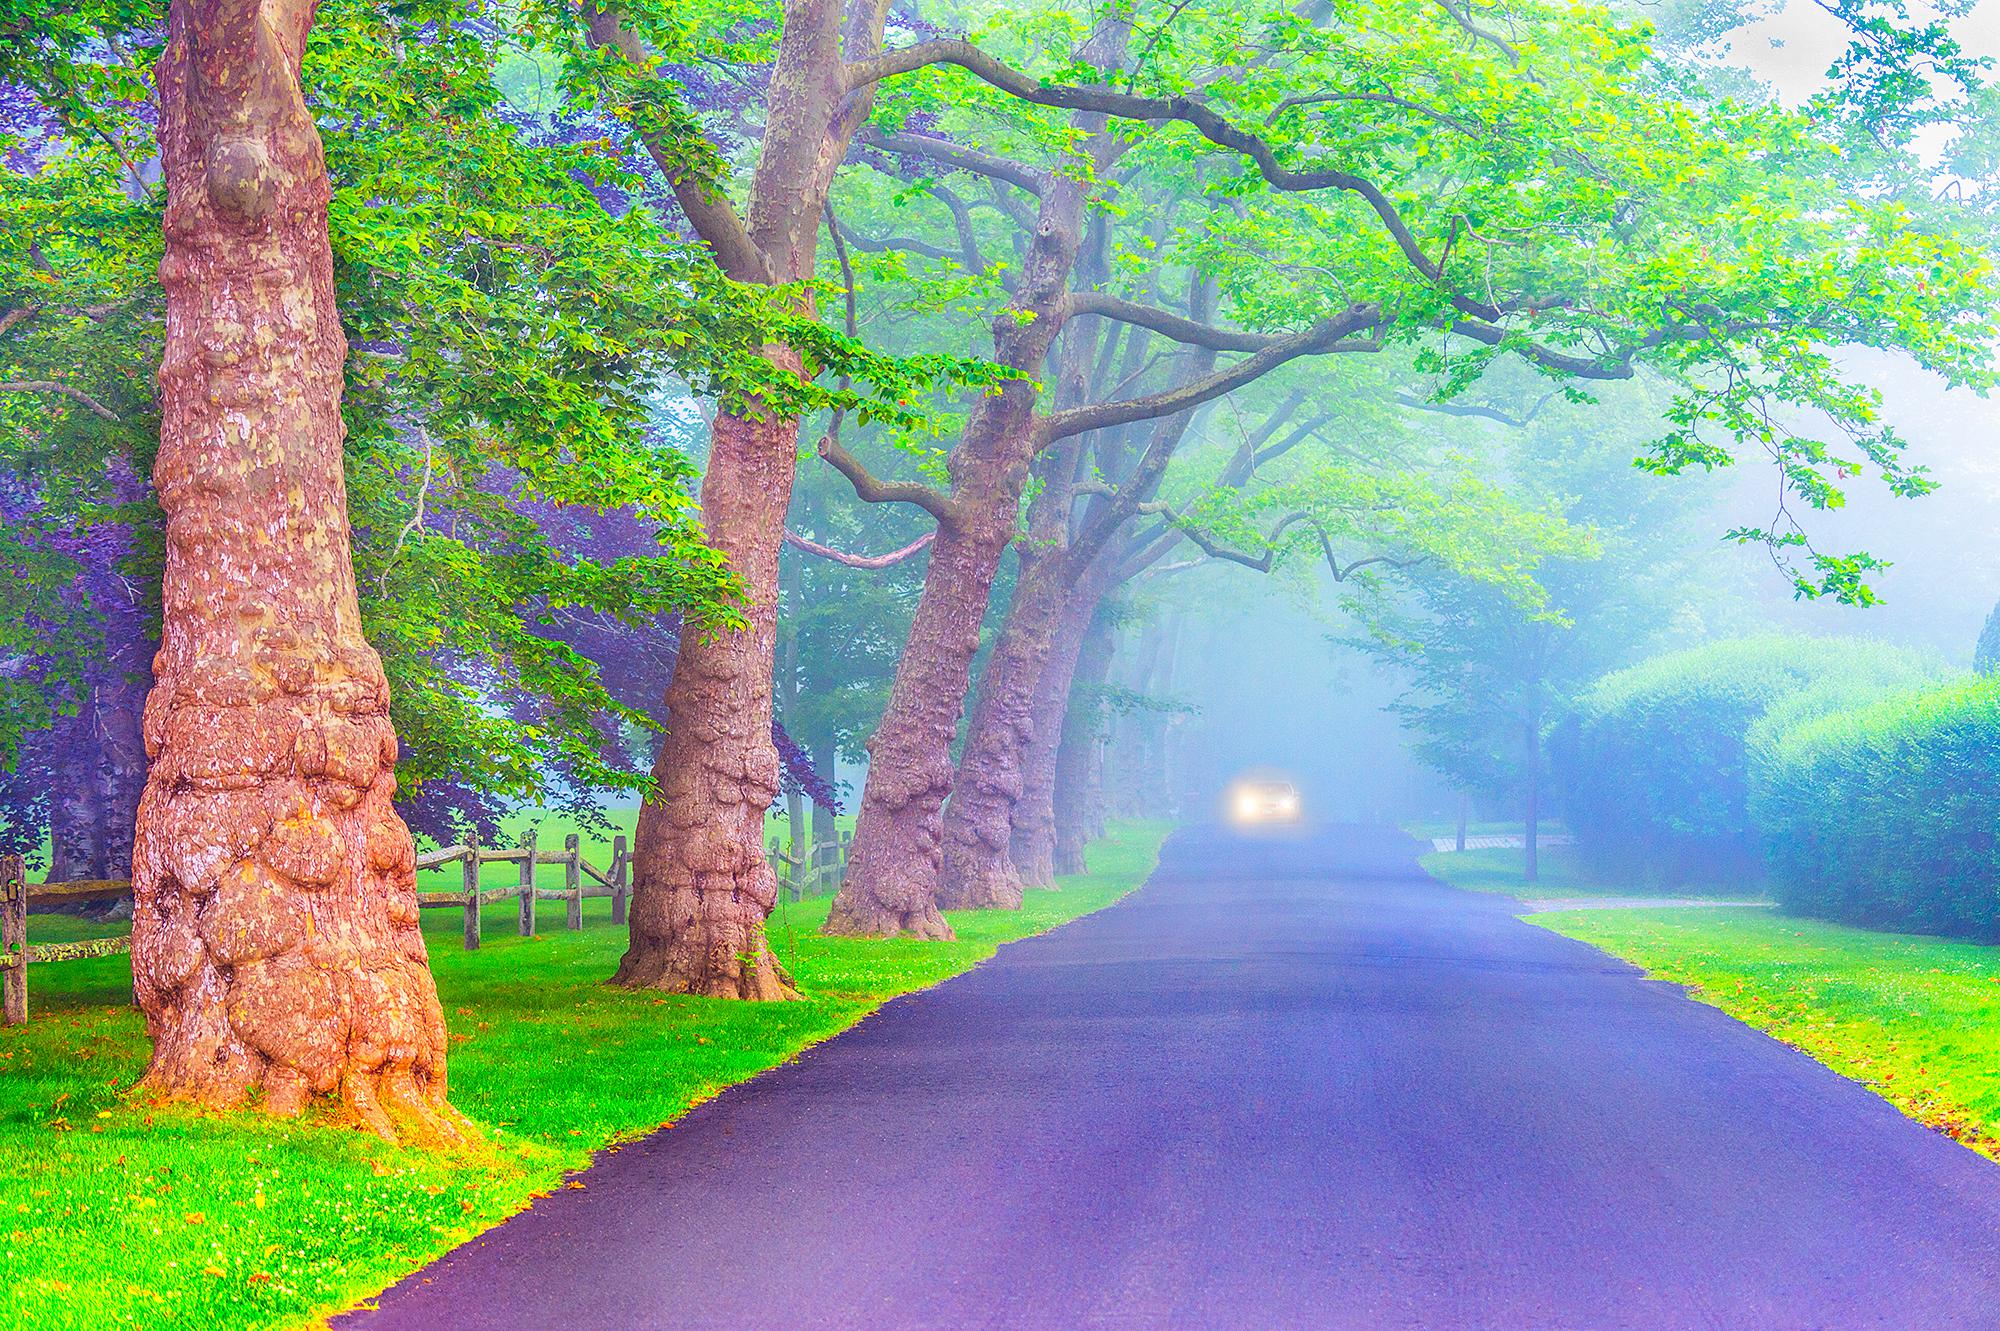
275	949
979	869
1078	795
1033	842
893	869
701	887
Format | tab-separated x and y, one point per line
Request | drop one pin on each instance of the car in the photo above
1263	802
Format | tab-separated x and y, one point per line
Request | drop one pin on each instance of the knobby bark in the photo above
1078	797
701	887
275	947
979	869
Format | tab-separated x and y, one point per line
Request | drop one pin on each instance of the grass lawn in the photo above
1562	875
118	1212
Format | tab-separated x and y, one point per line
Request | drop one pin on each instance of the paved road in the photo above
1290	1084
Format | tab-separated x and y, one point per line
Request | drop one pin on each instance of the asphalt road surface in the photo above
1292	1083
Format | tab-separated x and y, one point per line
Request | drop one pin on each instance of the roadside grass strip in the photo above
116	1211
1562	875
1916	1019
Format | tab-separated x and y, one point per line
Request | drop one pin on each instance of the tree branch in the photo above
50	386
1107	101
1002	169
708	210
1328	335
872	490
1165	322
798	542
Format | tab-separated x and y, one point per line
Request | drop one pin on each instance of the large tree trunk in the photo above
893	871
1079	796
701	887
979	870
892	866
119	707
1033	845
76	813
275	946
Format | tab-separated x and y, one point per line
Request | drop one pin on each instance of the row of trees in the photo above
414	444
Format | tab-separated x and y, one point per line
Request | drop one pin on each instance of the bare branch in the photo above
1165	322
947	153
798	542
907	244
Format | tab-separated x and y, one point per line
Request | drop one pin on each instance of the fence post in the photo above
621	880
470	882
528	887
573	879
14	940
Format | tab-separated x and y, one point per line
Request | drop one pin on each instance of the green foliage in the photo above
139	1215
1654	764
1886	814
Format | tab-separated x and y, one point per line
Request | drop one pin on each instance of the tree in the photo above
701	885
275	945
1590	284
1489	671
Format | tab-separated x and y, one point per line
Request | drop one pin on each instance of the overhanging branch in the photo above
1328	335
872	490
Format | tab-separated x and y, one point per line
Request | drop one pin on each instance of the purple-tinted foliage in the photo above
89	759
23	116
634	662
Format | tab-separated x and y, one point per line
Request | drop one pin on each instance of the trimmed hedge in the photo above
1652	768
1885	815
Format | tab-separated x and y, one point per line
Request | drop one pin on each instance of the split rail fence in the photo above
818	871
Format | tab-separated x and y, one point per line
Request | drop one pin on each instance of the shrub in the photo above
1885	815
1652	768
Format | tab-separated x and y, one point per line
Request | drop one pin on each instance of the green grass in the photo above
119	1212
1917	1019
1563	874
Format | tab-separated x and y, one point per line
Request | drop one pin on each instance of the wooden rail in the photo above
817	872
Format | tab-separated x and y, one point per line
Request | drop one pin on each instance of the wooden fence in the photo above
816	872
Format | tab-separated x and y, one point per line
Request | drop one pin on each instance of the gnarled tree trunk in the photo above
1034	838
275	947
701	887
1078	796
979	869
893	870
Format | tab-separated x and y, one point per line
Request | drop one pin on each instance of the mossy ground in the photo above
118	1212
